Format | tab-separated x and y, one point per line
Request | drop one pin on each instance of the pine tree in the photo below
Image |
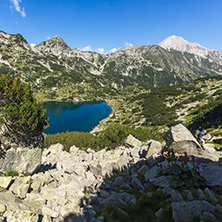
20	113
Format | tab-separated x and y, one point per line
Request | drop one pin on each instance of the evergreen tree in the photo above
20	113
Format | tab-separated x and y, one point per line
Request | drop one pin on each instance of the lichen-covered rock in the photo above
23	160
181	140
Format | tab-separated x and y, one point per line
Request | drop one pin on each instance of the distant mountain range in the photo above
57	72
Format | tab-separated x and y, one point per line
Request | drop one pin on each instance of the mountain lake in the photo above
82	117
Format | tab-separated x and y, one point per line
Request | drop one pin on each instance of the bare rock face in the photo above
181	140
23	160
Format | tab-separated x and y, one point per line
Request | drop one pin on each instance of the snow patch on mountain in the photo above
180	44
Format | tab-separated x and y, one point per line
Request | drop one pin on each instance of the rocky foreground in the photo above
76	186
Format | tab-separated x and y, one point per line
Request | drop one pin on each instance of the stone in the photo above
21	216
126	197
21	186
208	216
23	160
159	213
201	194
162	182
188	195
112	199
142	170
210	196
119	182
5	182
186	211
96	170
154	148
73	149
46	210
3	209
213	175
46	218
131	141
135	183
181	140
151	174
207	137
56	148
36	185
176	196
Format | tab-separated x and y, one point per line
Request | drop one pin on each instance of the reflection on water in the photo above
82	117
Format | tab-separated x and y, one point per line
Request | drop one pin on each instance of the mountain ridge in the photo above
57	72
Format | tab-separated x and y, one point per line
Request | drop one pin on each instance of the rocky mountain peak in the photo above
55	45
180	44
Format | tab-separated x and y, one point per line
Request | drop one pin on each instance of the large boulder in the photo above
131	141
23	160
181	140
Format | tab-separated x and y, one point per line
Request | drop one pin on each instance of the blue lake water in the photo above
82	117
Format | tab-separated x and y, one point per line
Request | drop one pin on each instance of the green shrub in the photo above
21	114
12	173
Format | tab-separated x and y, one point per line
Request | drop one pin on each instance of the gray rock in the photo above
201	194
119	182
154	148
131	141
176	196
213	175
159	213
126	197
96	170
185	211
73	149
181	140
5	182
135	183
142	170
46	210
188	195
56	148
208	216
23	160
151	174
3	209
20	186
210	196
113	199
162	182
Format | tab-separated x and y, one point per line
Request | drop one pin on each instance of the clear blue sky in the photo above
109	24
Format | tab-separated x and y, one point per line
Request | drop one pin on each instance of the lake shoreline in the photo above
79	117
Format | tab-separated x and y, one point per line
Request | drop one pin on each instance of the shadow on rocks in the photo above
2	153
114	189
46	167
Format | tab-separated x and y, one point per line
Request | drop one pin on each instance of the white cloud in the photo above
128	44
32	44
86	48
100	50
17	7
113	50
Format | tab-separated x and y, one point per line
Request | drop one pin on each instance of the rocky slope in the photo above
58	72
177	43
122	184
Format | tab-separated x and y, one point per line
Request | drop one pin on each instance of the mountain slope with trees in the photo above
57	72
